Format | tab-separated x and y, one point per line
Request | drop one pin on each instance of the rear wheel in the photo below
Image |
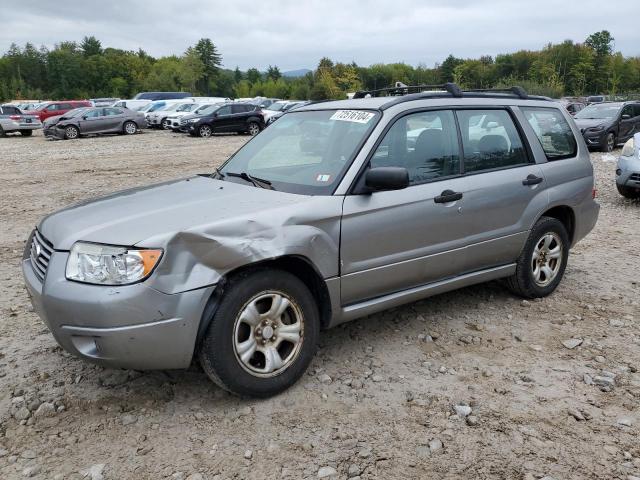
541	264
26	133
205	131
263	334
628	192
253	128
71	132
609	143
130	128
2	133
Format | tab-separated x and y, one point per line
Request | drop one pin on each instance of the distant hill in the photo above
301	72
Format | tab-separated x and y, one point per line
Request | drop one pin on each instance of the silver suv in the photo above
337	211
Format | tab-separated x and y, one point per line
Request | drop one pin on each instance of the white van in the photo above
131	104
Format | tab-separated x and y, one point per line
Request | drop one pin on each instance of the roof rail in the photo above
400	89
519	91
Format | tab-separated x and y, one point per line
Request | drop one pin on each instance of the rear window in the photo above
553	131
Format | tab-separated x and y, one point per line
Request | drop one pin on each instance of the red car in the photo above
51	109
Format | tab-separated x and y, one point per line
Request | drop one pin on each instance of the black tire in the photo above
26	133
523	283
217	353
253	128
628	192
163	124
205	131
2	133
68	132
609	143
129	127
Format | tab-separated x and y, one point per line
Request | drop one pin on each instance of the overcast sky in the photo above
296	34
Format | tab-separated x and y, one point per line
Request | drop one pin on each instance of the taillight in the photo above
594	192
14	117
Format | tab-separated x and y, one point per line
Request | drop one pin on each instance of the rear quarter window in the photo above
553	132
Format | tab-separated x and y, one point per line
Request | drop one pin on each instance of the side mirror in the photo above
491	125
626	116
386	178
84	117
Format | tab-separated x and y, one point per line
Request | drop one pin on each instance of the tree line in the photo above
86	69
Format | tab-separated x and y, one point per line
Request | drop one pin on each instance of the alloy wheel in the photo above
268	334
205	131
546	259
254	128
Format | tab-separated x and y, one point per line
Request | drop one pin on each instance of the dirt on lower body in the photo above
473	384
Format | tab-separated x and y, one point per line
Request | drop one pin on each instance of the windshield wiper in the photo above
257	182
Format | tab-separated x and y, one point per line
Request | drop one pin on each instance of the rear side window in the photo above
490	140
239	108
553	131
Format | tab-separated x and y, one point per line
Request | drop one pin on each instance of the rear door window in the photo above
553	132
490	140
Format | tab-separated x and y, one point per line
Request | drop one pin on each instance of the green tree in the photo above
211	60
91	46
273	73
253	75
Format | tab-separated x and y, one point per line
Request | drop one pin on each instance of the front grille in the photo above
635	177
41	250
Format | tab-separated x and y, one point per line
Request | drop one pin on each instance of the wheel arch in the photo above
297	265
566	216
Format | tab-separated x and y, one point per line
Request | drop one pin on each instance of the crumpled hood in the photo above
131	216
583	123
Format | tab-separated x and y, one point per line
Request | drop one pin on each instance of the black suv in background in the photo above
607	124
230	117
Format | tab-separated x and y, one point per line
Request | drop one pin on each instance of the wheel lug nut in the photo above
259	331
273	339
264	342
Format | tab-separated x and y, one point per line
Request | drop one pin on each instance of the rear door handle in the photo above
532	180
448	196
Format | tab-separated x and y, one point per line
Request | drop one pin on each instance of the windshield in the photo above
304	152
152	107
204	109
277	106
599	112
186	107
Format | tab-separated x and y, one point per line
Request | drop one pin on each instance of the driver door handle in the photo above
448	196
532	180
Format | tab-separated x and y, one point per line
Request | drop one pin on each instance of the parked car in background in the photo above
161	95
244	267
572	106
262	102
25	106
103	102
209	100
48	126
290	105
185	121
605	125
596	99
158	118
226	118
277	107
628	168
49	109
13	120
97	120
175	120
131	104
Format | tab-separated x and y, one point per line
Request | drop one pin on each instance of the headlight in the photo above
109	265
599	128
193	120
628	149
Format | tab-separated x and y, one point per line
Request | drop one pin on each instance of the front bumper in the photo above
594	139
53	132
131	326
628	172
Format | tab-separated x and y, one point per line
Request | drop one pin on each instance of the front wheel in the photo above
609	143
263	334
71	132
253	128
205	131
130	128
541	264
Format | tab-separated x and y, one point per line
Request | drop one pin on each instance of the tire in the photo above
2	133
628	192
163	124
71	132
529	282
26	133
609	143
129	127
205	131
253	128
232	326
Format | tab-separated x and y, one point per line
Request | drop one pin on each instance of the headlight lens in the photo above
628	149
599	128
193	120
110	265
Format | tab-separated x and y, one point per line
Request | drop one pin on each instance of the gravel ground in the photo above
474	384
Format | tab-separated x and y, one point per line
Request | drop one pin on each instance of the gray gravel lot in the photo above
474	384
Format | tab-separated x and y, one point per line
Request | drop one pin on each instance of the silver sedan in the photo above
98	120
